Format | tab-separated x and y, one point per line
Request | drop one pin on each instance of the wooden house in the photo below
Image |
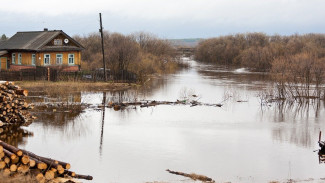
26	50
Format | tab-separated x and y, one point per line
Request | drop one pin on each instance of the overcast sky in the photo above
165	18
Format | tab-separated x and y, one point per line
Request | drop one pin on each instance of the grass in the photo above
66	86
18	178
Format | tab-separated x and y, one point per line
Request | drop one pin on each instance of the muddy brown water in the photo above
238	142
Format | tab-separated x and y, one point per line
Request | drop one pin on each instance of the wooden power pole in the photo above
101	34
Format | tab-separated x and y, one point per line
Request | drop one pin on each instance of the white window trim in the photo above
33	59
69	59
49	59
56	59
19	60
13	58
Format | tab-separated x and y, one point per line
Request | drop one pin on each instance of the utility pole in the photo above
101	34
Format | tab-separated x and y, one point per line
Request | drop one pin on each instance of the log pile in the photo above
13	107
15	161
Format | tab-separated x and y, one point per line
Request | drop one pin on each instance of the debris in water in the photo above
192	176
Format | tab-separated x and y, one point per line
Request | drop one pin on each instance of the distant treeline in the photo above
140	53
297	62
258	50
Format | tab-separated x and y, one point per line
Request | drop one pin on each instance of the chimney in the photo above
46	29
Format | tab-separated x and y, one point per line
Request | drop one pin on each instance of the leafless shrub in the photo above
140	53
299	76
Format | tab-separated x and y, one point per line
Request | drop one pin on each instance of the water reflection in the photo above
14	135
296	121
102	126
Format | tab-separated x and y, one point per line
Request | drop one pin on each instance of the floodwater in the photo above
242	141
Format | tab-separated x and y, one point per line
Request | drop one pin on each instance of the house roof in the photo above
35	41
2	42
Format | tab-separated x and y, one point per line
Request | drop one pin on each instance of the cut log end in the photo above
39	177
67	166
25	160
32	163
19	153
2	165
49	175
13	167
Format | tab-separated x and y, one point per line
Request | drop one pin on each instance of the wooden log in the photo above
37	174
15	161
25	160
32	163
78	176
49	175
1	149
65	165
86	177
22	92
11	148
50	162
2	154
9	154
13	167
192	176
70	173
23	169
6	160
39	164
2	165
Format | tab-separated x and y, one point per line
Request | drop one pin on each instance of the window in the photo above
13	57
71	58
47	59
33	59
59	58
58	42
19	58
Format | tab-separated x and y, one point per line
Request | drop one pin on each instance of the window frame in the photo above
58	42
33	59
45	54
73	58
13	58
56	59
19	58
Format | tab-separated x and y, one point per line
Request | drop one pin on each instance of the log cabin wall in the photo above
53	56
26	58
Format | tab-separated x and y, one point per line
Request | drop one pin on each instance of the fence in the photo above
51	74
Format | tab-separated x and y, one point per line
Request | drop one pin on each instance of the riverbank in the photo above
66	86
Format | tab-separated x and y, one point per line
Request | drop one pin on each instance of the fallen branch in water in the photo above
148	103
192	176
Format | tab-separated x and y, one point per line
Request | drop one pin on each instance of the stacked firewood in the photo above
15	161
13	107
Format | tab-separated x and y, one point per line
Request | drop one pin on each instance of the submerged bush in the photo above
299	76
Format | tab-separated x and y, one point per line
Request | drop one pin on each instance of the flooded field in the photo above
242	141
